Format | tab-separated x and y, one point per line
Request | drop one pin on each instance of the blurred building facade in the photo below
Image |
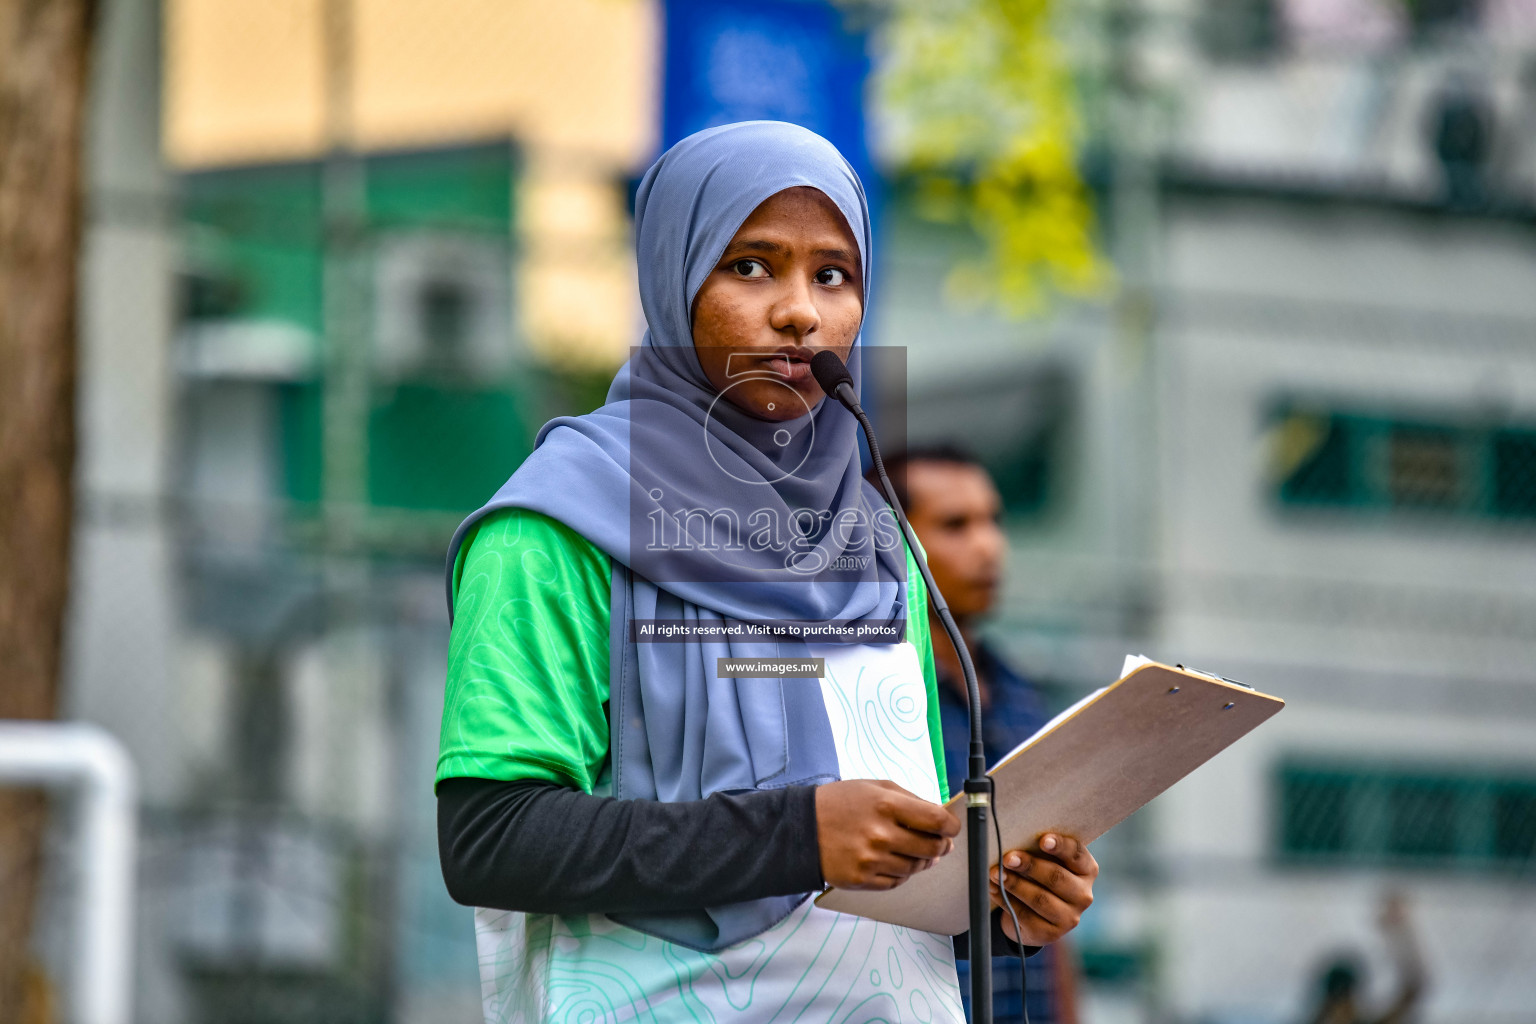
342	260
1346	402
1297	451
1297	447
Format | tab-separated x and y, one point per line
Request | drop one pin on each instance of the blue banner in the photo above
779	60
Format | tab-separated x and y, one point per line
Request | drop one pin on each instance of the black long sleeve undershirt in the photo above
541	848
537	847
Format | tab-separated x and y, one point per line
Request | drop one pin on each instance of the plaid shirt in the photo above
1014	712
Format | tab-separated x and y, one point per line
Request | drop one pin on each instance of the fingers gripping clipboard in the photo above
1080	776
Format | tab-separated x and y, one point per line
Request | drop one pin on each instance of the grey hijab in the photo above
789	531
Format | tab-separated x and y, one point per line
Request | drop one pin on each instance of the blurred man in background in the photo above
1342	980
954	508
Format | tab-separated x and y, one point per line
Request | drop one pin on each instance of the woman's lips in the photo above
794	371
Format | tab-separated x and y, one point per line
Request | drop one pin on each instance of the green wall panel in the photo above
465	189
254	244
432	447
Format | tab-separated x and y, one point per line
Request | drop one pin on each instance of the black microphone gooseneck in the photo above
836	381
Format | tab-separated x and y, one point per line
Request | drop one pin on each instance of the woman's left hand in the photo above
1049	888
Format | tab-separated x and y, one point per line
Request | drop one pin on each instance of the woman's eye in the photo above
749	268
831	276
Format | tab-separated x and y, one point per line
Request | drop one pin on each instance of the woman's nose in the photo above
795	310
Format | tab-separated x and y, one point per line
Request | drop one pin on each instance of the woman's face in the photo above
788	285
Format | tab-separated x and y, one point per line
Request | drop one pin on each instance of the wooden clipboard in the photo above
1081	775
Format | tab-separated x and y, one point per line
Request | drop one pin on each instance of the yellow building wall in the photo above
574	82
245	79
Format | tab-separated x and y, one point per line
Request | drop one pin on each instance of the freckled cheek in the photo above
845	324
721	322
715	329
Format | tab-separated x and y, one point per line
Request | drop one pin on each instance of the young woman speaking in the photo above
641	835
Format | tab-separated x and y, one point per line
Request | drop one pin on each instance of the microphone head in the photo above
830	372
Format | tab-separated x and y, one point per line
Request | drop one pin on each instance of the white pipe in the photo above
84	757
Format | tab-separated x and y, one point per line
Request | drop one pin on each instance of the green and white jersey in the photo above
526	695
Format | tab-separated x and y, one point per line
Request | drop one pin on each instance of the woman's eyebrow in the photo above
758	245
836	254
774	248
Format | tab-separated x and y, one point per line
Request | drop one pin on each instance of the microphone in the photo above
837	382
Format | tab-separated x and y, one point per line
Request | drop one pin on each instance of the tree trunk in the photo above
44	47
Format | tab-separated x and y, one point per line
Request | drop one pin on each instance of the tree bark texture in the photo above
44	59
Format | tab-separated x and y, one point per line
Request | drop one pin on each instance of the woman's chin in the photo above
778	414
776	402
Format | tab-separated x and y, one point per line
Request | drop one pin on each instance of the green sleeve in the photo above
528	655
918	633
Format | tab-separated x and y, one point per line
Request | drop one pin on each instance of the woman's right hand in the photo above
873	834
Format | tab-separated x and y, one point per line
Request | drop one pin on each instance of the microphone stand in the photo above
836	381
